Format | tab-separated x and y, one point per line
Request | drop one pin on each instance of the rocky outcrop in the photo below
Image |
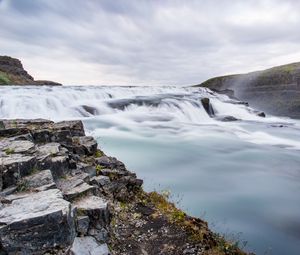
60	194
275	90
13	73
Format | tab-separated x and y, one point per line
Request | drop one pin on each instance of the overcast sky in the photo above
148	42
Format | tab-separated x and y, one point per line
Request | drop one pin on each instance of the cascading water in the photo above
244	174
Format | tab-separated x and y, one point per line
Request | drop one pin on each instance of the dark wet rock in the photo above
89	109
207	106
261	114
226	118
83	223
37	223
88	246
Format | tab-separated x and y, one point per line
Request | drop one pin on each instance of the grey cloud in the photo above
173	42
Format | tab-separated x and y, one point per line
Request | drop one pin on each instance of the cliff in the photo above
13	73
275	90
60	194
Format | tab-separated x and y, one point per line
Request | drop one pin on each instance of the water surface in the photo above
243	177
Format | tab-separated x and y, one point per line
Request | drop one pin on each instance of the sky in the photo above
139	42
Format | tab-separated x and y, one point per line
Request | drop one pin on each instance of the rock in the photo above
78	191
10	146
15	166
226	118
96	208
50	149
74	187
101	235
110	162
84	145
37	223
100	181
75	127
261	114
88	246
207	106
83	223
40	181
91	110
59	165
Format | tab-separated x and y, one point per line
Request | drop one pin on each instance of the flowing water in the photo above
243	177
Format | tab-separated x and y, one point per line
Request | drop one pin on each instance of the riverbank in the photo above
61	194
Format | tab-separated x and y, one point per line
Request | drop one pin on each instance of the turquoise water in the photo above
243	177
247	192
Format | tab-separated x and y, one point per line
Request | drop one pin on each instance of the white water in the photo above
246	172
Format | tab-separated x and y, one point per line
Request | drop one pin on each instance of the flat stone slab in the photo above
78	191
10	146
37	222
88	246
40	181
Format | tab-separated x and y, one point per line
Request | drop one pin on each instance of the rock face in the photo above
37	223
275	90
60	194
13	73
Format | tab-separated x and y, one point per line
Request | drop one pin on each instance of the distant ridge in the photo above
13	73
275	90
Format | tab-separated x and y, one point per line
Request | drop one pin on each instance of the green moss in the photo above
98	154
9	151
98	169
4	79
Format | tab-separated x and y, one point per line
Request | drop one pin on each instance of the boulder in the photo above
37	223
88	246
207	106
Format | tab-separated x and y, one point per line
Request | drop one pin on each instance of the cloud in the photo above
148	42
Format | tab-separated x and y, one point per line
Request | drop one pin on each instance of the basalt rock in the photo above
207	106
37	223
